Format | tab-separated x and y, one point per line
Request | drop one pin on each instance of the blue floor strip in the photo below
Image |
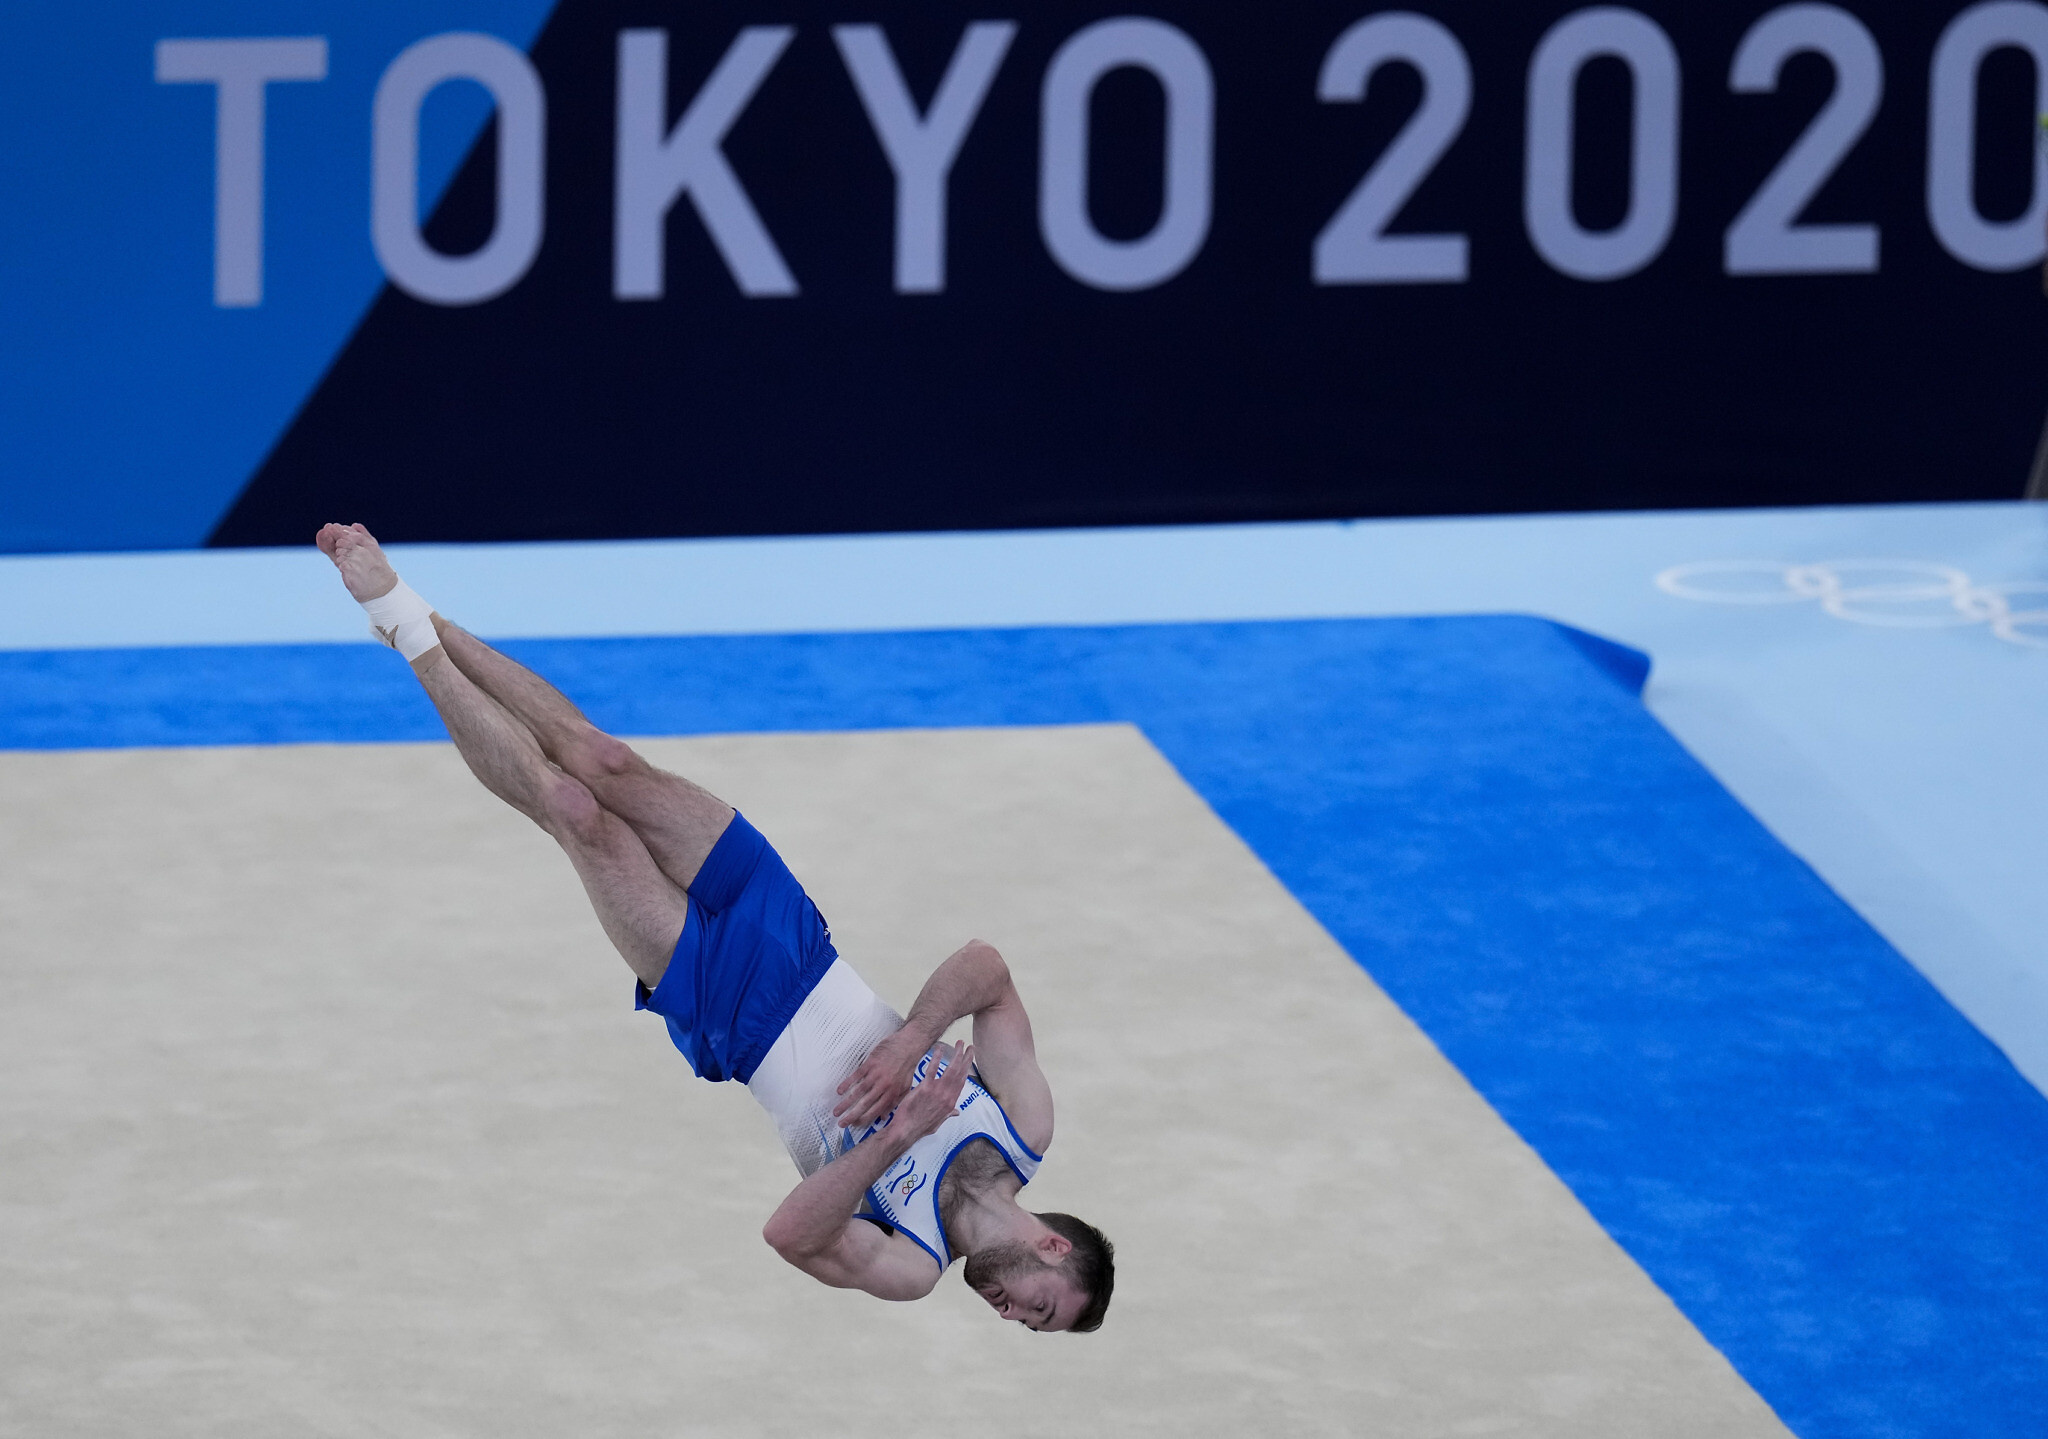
1839	1180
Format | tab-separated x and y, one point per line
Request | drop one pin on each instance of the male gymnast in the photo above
912	1153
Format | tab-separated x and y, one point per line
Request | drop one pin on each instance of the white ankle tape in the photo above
402	620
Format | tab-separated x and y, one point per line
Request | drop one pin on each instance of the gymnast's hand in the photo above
880	1083
931	1102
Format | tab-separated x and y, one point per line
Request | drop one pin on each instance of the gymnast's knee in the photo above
596	758
569	811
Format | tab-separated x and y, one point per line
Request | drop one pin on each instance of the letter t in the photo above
239	69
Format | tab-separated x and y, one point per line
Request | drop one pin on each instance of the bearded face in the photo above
999	1264
1016	1281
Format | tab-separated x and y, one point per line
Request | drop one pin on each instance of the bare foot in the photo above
360	559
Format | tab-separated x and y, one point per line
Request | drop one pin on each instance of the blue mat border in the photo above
1837	1178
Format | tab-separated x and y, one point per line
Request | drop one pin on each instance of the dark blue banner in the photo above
718	269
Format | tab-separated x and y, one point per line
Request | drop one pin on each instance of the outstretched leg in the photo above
678	821
641	909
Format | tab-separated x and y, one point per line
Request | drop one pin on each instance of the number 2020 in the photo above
1766	237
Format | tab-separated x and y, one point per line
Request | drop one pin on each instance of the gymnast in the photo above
912	1152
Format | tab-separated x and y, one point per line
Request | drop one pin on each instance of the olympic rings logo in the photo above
1895	594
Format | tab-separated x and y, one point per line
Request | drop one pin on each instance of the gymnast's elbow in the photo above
798	1248
988	955
781	1236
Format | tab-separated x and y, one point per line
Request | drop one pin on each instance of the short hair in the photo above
1090	1267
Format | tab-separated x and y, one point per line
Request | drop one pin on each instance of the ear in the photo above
1052	1248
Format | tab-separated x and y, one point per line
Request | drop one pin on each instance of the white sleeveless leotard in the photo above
907	1195
797	1082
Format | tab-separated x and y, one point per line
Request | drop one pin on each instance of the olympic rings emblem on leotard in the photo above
1892	594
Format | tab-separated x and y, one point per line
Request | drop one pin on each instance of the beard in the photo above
1000	1263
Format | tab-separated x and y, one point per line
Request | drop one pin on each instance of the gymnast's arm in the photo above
812	1228
976	981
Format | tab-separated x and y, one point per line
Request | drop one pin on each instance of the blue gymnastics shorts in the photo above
753	947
